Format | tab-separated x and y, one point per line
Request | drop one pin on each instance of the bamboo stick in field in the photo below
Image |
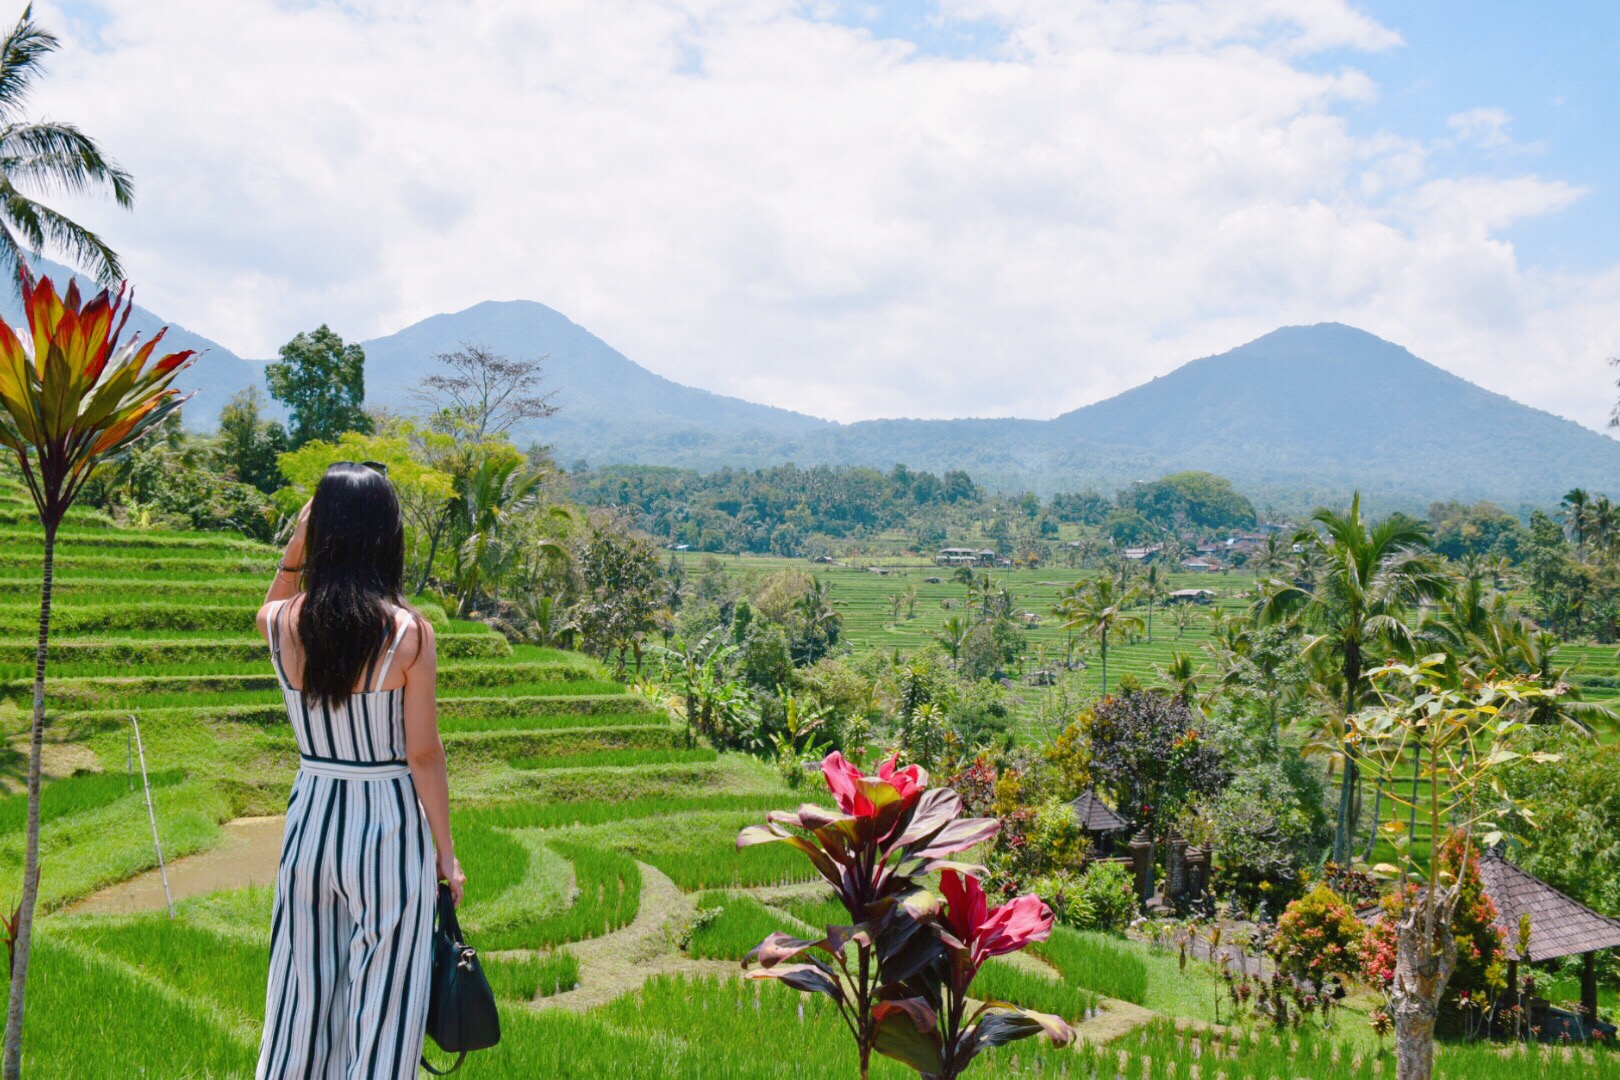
151	813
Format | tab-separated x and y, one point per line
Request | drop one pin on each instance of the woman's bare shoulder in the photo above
273	609
418	642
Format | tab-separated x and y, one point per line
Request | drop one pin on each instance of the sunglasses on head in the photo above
375	466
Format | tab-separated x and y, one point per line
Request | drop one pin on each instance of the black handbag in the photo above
461	1006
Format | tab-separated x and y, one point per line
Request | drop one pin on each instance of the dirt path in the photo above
248	855
621	961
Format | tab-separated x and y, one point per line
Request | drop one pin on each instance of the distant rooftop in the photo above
1559	926
1094	815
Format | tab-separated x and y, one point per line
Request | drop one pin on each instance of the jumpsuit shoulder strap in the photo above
277	609
399	635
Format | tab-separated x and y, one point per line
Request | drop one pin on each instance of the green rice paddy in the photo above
580	811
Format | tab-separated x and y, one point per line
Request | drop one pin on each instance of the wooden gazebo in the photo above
1098	819
1559	926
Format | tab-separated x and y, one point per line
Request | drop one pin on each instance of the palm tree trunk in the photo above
23	939
1105	662
1372	833
1417	771
433	552
1341	834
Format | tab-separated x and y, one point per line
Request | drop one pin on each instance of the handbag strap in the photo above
447	914
452	929
444	1072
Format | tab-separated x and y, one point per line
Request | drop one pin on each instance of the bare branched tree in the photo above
486	392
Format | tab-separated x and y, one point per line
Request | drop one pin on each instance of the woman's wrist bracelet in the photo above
285	569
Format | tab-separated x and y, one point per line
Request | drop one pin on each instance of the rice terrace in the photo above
1024	613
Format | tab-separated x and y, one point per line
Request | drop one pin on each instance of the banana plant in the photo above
74	397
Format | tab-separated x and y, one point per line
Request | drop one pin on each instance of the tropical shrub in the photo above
1267	825
1577	803
1056	840
900	972
1317	935
1148	749
1479	971
1102	897
1109	891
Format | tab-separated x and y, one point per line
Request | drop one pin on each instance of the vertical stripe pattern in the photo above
349	958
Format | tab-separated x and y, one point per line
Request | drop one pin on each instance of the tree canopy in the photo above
322	383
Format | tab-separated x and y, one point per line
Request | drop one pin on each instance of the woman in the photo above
349	956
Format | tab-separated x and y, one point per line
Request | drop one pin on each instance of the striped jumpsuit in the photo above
349	954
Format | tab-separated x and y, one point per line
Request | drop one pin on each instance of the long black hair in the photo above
354	571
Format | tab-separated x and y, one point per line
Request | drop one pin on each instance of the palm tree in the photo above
1574	506
1273	557
1520	647
953	635
1152	591
1098	610
1181	675
482	509
896	602
81	398
911	601
1601	520
53	157
1363	578
984	588
819	614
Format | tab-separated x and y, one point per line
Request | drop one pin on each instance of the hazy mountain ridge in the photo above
1301	415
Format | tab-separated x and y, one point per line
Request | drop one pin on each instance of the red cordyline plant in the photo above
900	971
71	396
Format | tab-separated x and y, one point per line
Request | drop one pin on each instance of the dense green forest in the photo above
787	510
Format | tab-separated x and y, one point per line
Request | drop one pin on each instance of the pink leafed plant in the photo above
899	972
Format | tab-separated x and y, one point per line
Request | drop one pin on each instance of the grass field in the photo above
591	833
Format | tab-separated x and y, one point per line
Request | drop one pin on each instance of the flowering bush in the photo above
1479	969
1108	888
1317	936
899	972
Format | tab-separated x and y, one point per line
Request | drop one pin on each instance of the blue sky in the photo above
859	209
1553	67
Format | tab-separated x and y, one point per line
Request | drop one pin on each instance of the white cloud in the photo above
744	197
1485	126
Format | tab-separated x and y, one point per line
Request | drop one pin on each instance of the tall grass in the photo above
628	758
532	815
1109	966
493	860
1160	1050
608	895
77	794
530	977
699	852
228	972
271	695
741	923
89	1018
999	980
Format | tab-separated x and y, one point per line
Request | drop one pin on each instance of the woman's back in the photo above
366	727
368	817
